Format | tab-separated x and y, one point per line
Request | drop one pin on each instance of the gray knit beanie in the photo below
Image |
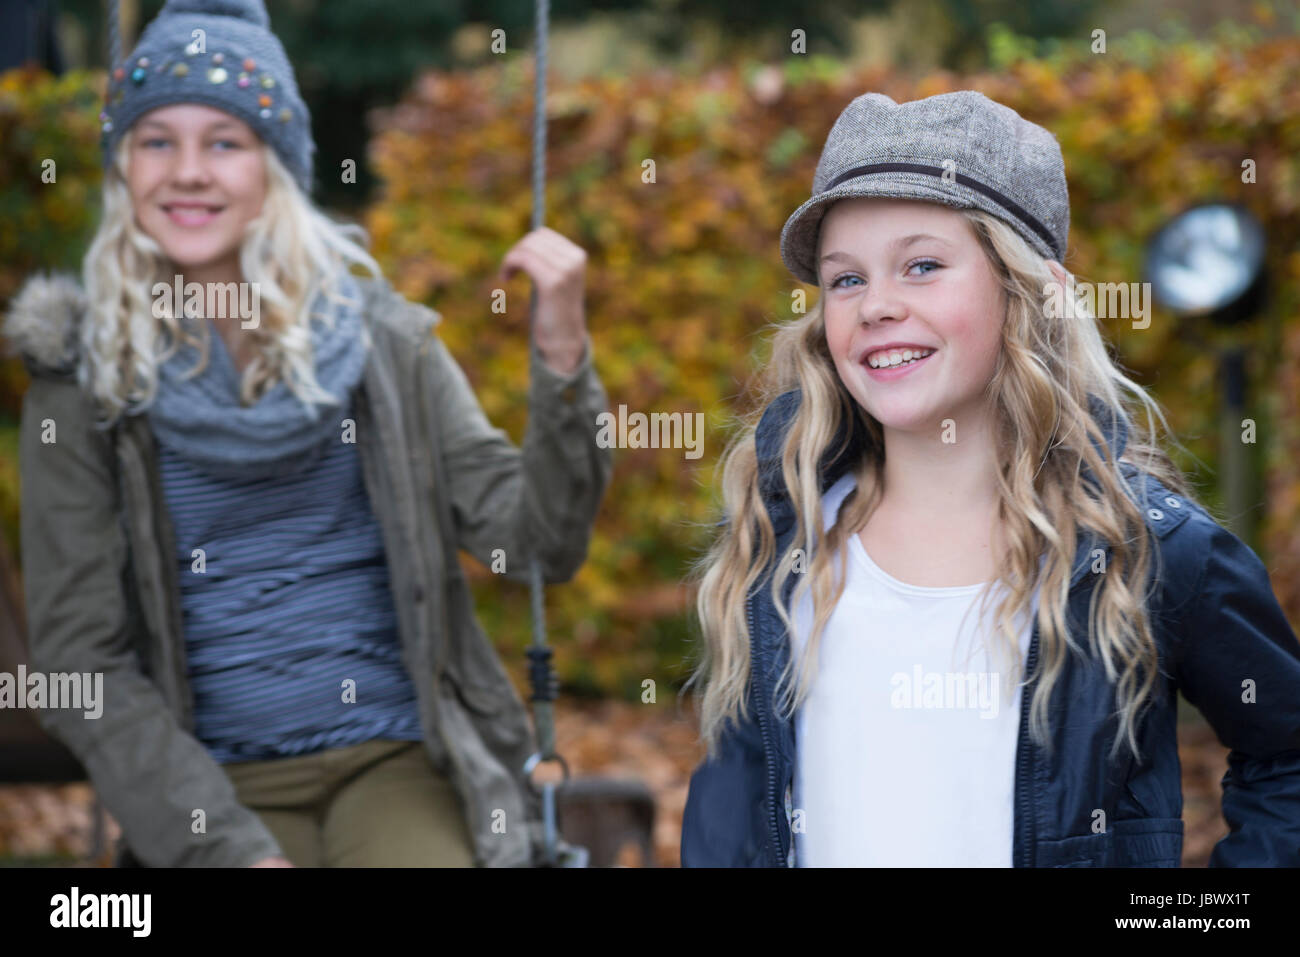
219	53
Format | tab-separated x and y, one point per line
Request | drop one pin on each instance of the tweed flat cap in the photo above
960	149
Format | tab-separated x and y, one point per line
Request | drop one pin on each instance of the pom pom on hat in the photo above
254	11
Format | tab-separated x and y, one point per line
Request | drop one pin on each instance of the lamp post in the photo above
1207	265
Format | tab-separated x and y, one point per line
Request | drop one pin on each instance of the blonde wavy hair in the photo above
292	252
1046	370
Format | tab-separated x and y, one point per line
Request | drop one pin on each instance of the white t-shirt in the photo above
906	743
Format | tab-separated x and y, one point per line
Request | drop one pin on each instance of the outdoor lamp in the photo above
1208	261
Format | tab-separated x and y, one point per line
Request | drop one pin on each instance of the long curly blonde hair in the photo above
292	252
1047	368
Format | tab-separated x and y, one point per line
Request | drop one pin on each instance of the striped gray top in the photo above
290	630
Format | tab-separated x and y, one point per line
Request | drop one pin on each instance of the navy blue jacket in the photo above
1218	626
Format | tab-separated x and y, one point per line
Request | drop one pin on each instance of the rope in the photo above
555	851
543	710
539	116
114	35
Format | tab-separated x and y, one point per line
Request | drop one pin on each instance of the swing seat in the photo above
609	817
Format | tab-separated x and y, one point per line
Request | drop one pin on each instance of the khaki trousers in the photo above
376	804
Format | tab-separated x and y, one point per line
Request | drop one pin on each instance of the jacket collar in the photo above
769	440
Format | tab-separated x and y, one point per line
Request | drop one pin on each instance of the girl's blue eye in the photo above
229	144
835	283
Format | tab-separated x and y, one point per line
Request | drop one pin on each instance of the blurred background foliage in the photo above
350	57
684	274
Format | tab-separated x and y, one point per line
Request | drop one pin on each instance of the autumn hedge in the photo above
677	187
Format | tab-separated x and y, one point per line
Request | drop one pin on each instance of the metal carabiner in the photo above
551	843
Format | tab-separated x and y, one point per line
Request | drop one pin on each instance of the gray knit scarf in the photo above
201	418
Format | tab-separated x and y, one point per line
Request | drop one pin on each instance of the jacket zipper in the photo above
761	705
1024	853
164	596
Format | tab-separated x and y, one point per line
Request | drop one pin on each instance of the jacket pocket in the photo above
722	823
472	664
1148	842
482	700
1141	842
497	714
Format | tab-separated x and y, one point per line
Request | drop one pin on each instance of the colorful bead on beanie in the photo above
220	53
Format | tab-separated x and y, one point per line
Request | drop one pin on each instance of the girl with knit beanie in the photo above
247	473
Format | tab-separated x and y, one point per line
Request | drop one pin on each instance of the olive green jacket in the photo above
102	594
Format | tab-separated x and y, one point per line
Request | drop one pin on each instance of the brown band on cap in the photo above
1005	202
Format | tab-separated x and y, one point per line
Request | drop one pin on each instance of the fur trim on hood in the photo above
43	321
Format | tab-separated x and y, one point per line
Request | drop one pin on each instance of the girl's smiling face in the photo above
197	178
910	275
